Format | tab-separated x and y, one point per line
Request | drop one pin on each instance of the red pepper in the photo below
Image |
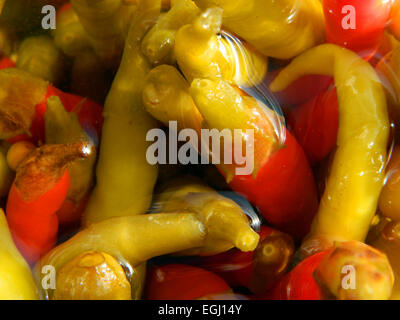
284	190
281	183
256	270
90	116
40	188
6	62
301	90
70	213
299	283
182	282
315	125
356	24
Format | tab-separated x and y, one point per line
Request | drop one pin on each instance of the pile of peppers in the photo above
312	86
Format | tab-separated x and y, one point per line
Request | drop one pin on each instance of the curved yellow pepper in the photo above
16	280
133	240
168	97
125	179
225	218
201	52
279	29
356	178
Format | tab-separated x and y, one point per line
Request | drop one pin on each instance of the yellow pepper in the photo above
166	97
201	52
132	240
158	44
356	177
70	36
106	23
279	29
231	223
16	280
39	56
103	276
246	113
125	179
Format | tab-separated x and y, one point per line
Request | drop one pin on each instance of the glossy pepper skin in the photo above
124	178
373	273
183	282
102	274
134	239
299	283
301	90
348	23
315	125
356	179
279	29
227	219
256	270
286	197
16	280
38	191
202	51
281	185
